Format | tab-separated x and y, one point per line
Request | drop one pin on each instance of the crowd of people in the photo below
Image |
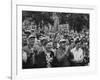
43	49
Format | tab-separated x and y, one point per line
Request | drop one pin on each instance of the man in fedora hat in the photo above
62	53
28	55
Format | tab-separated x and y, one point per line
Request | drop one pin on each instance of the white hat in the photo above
62	40
31	36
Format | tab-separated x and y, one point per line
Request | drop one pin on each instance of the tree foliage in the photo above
76	21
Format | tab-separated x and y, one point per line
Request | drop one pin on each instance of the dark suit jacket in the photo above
41	60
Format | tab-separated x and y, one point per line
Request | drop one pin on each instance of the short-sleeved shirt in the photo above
77	54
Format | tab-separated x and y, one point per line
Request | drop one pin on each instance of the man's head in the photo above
44	42
31	39
24	37
49	46
28	33
78	44
55	44
62	43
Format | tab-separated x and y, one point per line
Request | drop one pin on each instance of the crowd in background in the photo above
44	48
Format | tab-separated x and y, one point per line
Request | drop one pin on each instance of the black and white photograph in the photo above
55	39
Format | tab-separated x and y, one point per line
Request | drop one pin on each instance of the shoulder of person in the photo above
58	49
25	48
73	49
41	52
81	49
